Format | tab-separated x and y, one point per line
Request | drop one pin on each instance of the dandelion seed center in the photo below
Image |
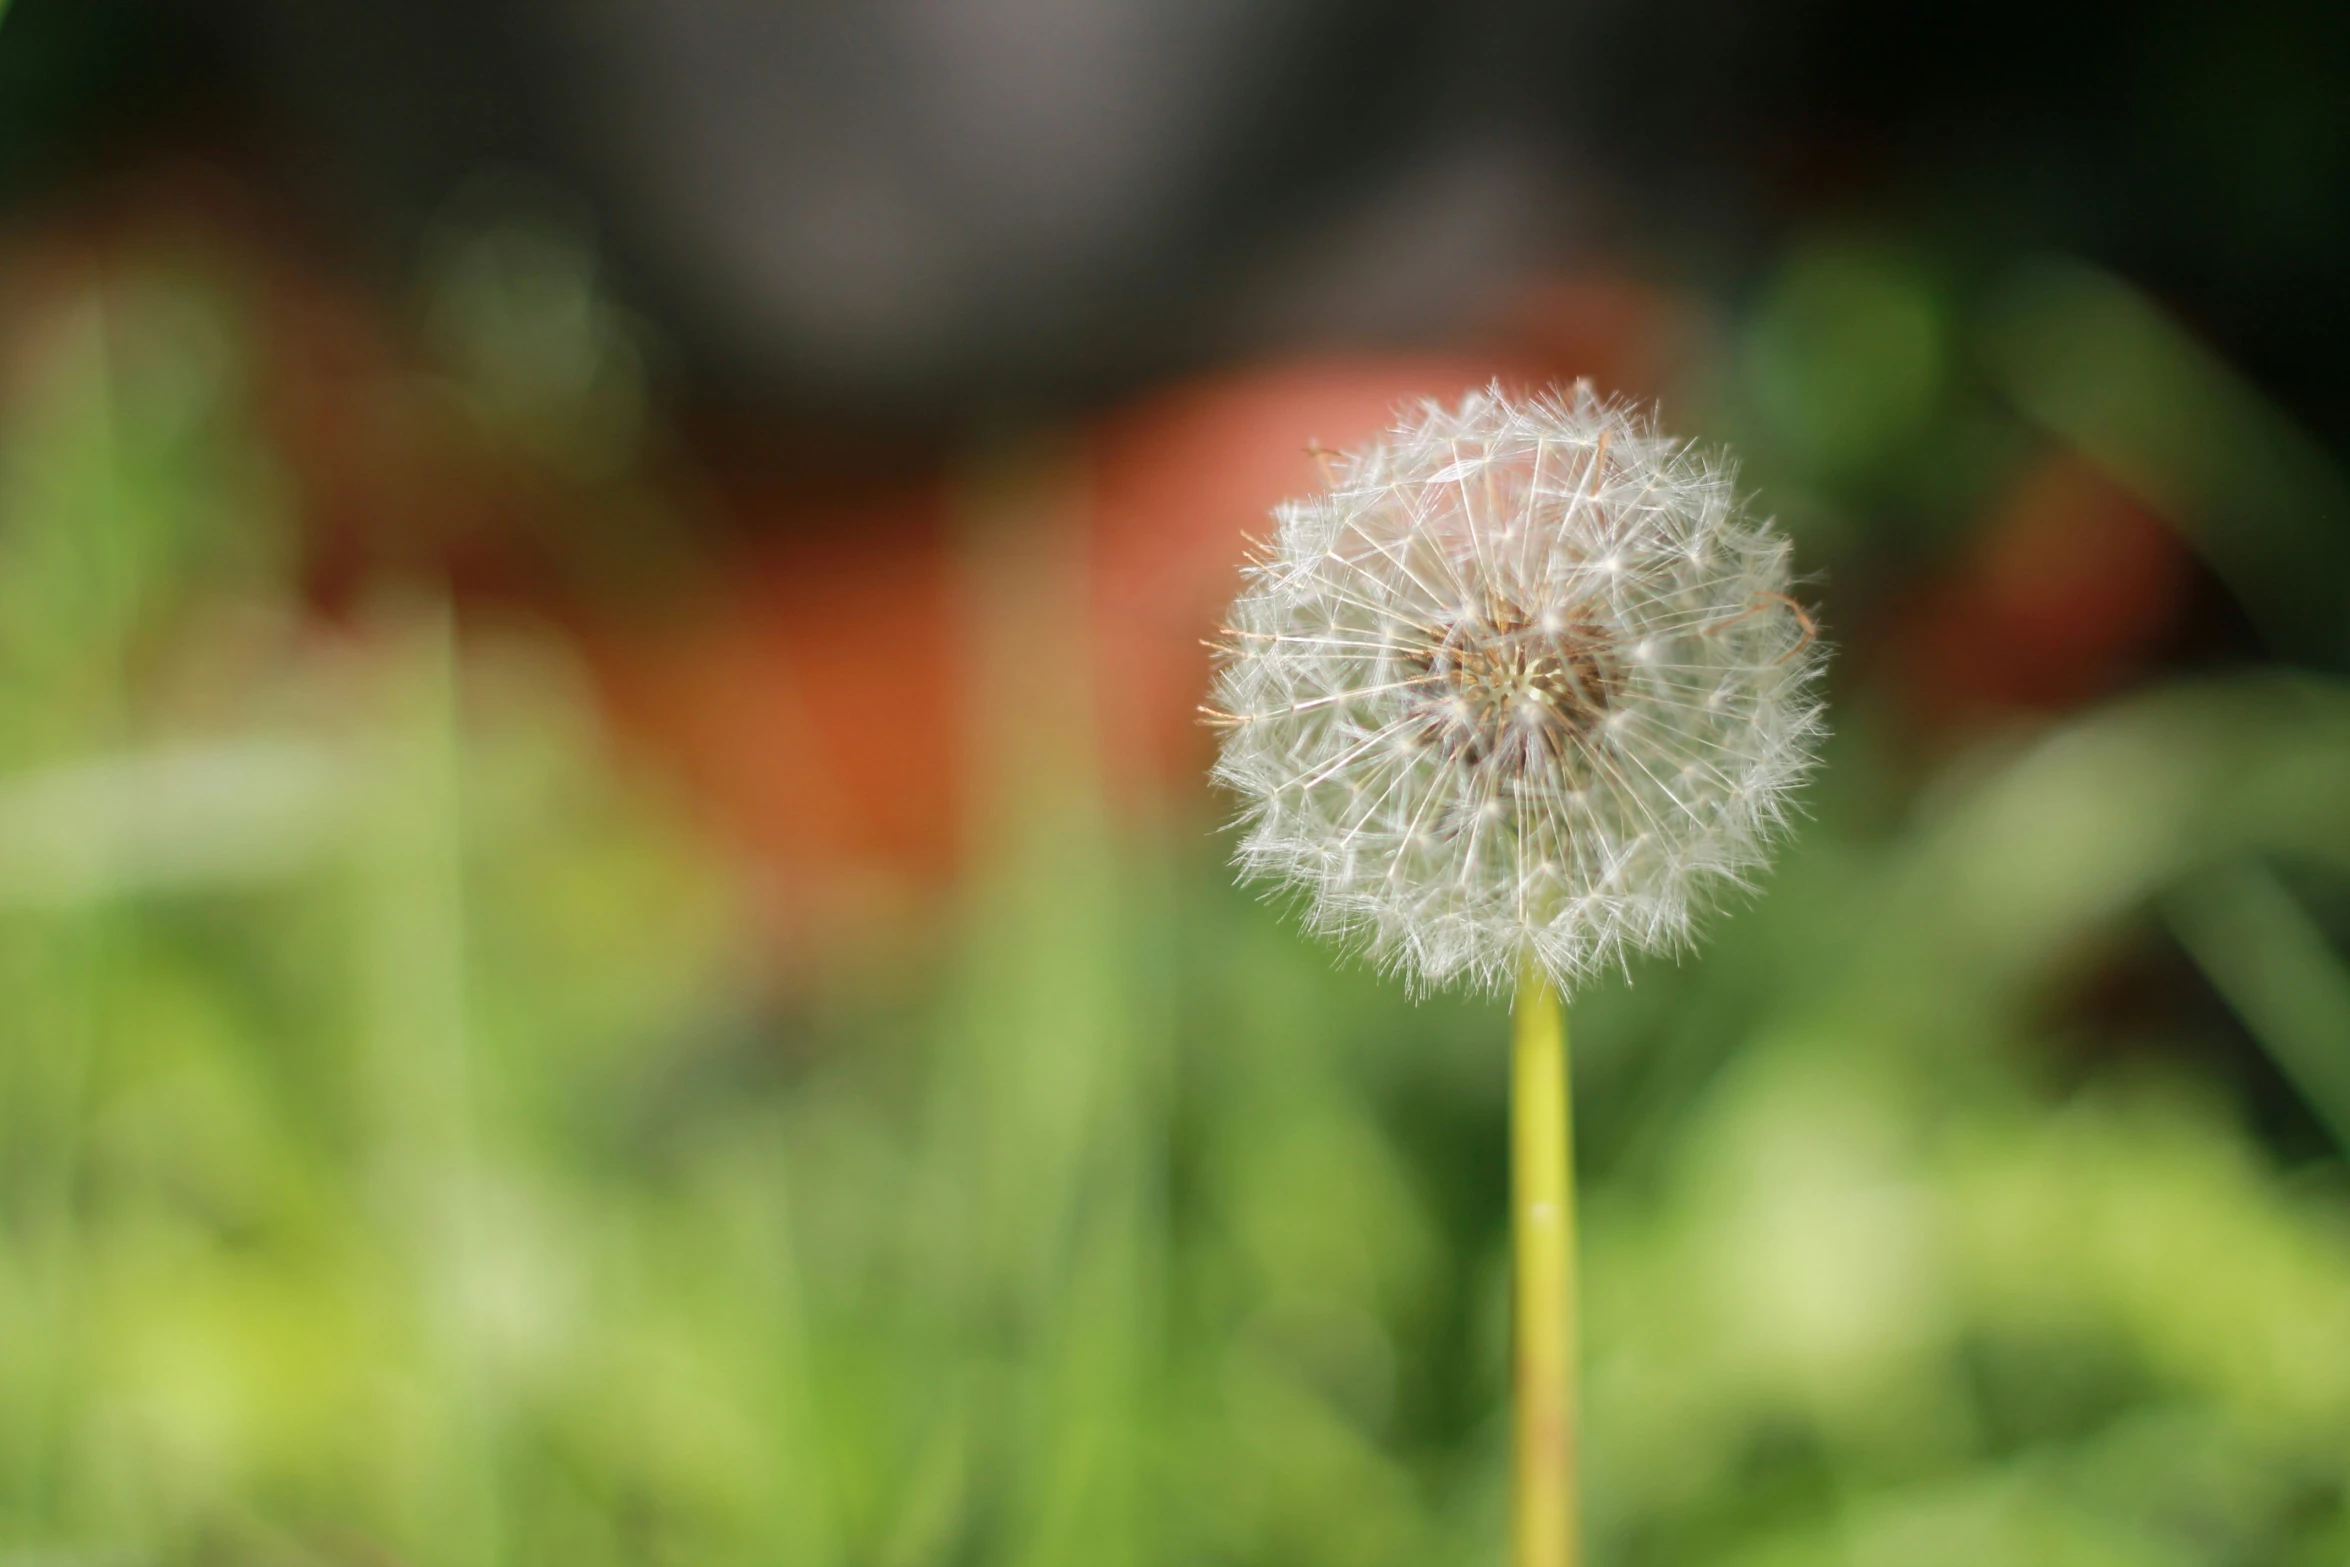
1516	686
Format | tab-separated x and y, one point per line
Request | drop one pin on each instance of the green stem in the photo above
1545	1513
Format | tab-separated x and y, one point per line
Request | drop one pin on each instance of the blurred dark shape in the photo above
918	206
917	214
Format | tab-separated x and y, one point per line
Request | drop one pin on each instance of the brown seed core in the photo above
1510	684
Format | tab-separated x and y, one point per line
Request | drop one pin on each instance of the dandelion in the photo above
1521	694
1525	684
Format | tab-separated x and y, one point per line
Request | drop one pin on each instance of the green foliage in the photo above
396	1163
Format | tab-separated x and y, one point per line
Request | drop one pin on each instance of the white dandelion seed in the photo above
1525	682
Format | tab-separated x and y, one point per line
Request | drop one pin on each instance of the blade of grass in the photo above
418	1059
2267	957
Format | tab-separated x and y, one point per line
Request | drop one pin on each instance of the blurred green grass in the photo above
399	1161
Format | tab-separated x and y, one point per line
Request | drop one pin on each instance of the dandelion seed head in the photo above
1524	682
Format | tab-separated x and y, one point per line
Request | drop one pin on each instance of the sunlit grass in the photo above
399	1158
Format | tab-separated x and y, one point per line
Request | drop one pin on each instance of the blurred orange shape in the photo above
2070	587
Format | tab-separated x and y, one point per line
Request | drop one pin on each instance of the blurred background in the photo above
612	949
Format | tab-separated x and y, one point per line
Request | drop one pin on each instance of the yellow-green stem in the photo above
1545	1513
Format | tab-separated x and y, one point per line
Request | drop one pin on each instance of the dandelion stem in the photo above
1545	1514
